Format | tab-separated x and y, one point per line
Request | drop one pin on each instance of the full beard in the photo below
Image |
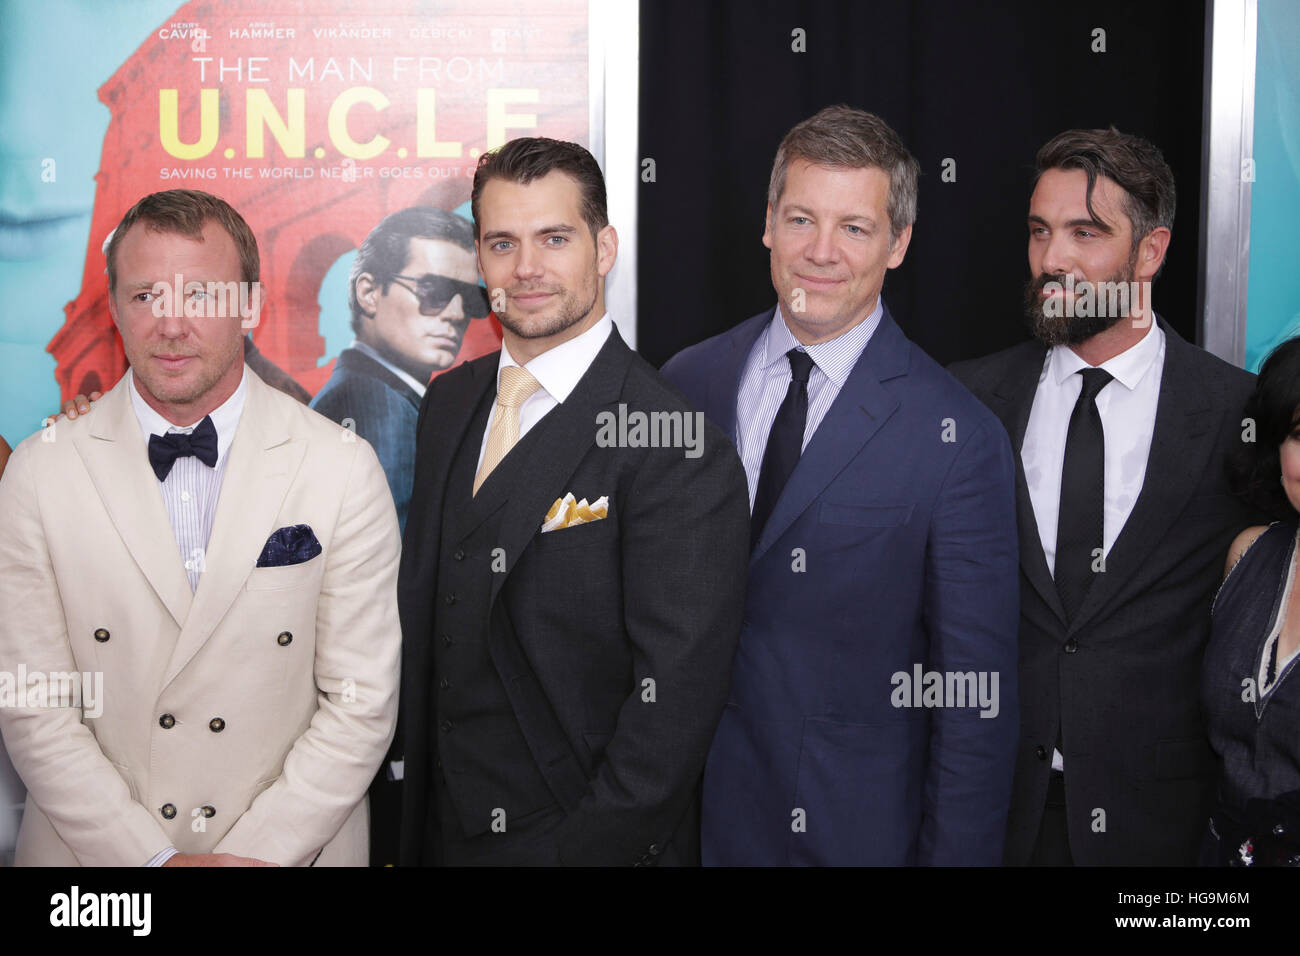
1074	329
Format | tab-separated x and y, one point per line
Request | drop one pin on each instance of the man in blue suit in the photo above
872	717
413	290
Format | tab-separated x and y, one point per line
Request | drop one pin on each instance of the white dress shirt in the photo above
766	379
1127	407
558	370
190	491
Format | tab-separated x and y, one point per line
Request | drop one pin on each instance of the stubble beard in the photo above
177	392
571	312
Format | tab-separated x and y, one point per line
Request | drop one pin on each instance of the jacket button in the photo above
446	726
101	634
1071	646
167	810
1041	753
209	812
460	554
448	640
284	639
216	725
654	849
451	598
444	683
1278	829
166	721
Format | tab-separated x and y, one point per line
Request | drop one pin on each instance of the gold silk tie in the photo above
515	386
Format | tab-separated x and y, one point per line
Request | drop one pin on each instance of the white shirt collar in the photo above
373	353
559	369
225	417
835	357
1127	368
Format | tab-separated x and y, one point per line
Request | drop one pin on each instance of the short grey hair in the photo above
847	137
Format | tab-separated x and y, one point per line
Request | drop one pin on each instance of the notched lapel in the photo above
859	411
724	387
1013	399
570	430
1175	464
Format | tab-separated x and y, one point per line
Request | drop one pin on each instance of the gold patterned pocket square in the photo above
568	511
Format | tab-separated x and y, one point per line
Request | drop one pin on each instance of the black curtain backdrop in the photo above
985	84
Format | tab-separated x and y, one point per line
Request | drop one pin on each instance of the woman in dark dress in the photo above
1250	687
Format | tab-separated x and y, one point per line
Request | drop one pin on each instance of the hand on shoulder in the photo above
1241	544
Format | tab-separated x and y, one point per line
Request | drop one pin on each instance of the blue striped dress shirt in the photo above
766	379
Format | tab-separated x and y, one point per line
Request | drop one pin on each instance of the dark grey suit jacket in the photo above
1122	680
583	616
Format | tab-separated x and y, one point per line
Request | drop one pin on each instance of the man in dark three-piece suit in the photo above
1120	430
872	715
570	590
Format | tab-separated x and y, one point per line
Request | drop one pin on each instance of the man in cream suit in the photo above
218	564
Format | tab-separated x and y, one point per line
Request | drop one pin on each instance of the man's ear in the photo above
898	247
767	227
1151	252
606	250
256	300
367	291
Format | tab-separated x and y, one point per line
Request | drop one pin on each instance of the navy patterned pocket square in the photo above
288	546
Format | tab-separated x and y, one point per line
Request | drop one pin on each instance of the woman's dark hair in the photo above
1255	470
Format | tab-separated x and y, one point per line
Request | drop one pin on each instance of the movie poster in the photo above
318	122
312	120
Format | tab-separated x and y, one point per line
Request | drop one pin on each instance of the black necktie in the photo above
201	443
1080	529
784	443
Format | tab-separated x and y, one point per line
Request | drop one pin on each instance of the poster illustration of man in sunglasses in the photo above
413	292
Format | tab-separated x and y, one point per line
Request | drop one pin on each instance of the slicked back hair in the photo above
532	157
387	248
1132	163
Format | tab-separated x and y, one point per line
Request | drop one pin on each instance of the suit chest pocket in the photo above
864	516
593	534
283	578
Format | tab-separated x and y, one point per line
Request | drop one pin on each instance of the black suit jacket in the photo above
584	616
1122	680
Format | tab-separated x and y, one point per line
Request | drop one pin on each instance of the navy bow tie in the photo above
201	443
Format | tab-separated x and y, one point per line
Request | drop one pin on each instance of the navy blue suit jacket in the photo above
891	550
383	410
